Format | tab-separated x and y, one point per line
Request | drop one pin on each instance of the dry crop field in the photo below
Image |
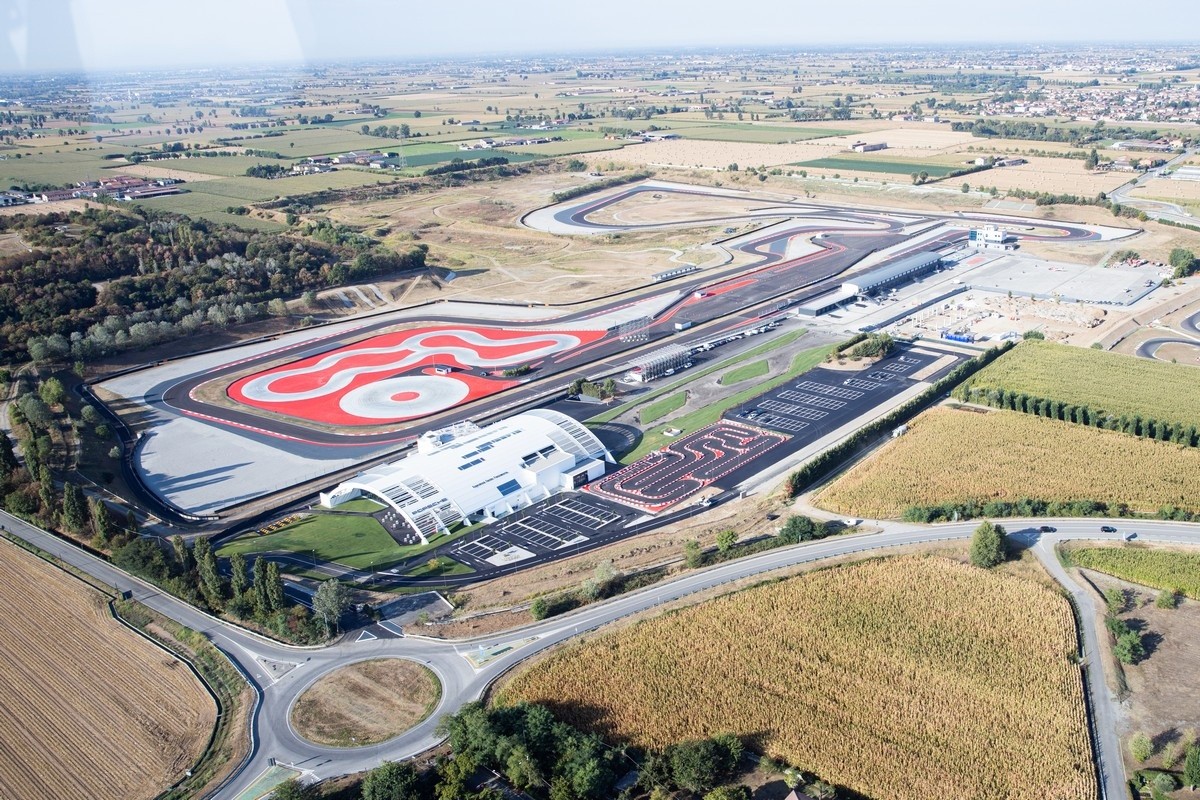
1113	382
870	675
88	709
953	456
1055	175
1158	568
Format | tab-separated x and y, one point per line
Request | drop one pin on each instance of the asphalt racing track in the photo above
351	379
687	465
1150	347
365	389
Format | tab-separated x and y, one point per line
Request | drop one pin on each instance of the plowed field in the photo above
88	709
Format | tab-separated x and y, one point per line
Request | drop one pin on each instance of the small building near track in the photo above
660	362
469	474
897	272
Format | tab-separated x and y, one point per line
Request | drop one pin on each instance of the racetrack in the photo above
360	390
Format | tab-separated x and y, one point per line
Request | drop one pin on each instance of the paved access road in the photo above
462	681
1155	209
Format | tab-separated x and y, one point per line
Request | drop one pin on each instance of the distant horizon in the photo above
1048	47
88	36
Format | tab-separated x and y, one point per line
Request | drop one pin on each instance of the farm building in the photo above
467	474
892	274
864	147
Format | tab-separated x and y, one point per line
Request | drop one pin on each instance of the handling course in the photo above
316	401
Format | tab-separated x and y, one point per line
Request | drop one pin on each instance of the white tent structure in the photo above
467	475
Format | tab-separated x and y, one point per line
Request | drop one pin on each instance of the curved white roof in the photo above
475	472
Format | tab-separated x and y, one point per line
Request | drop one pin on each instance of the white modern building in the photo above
468	474
892	274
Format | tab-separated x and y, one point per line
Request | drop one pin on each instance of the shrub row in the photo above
607	183
1025	507
1135	425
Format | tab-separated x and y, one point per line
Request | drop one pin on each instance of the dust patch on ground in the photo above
1163	696
365	703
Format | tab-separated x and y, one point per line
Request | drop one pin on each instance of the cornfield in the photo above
955	456
1118	384
1161	569
909	677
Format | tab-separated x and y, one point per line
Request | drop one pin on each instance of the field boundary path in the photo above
464	680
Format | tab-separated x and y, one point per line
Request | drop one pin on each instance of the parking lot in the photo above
823	399
561	521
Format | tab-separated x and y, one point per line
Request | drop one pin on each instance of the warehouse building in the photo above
468	474
893	274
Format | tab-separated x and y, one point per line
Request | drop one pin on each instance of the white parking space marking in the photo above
832	391
812	399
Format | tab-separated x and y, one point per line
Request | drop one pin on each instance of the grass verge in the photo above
755	369
366	703
688	423
762	349
352	540
661	407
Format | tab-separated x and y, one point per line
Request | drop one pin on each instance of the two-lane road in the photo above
462	682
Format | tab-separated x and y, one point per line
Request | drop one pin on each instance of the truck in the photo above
954	336
683	326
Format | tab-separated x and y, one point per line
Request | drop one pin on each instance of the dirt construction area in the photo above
88	708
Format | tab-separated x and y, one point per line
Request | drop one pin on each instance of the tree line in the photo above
458	165
1051	408
825	462
98	282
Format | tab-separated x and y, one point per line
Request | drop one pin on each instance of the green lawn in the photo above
446	566
348	539
891	166
694	421
754	369
227	166
766	347
352	540
362	504
660	408
733	132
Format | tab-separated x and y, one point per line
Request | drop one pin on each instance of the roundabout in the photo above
365	703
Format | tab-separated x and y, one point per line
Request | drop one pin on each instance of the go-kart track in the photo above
312	402
686	466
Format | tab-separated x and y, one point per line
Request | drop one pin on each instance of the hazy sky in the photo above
114	34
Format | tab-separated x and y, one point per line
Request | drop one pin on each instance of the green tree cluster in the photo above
1127	643
987	545
534	751
1052	408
